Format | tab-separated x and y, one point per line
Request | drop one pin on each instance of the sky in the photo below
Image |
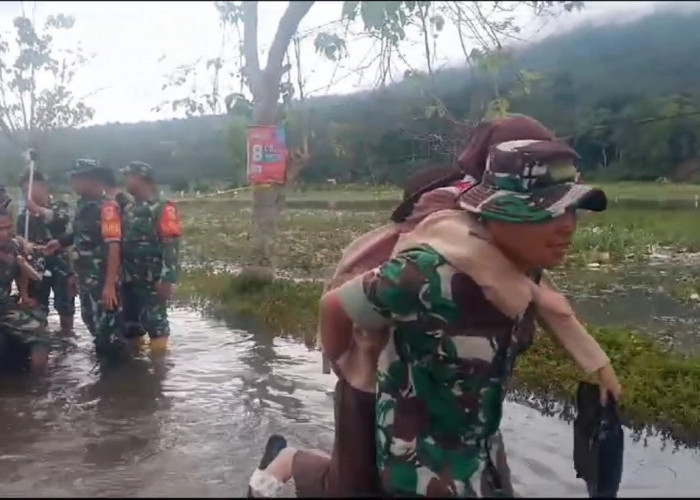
136	45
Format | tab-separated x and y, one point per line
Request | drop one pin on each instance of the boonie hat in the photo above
85	167
140	168
530	181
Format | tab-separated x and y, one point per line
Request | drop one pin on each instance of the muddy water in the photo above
195	423
652	298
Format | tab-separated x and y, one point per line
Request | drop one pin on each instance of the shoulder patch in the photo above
110	221
169	225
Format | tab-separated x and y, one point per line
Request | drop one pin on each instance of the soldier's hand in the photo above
109	297
52	247
27	302
164	291
72	286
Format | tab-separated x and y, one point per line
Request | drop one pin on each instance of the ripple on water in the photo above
195	424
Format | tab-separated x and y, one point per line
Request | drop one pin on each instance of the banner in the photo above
267	155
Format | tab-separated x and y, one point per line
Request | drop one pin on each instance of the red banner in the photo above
267	155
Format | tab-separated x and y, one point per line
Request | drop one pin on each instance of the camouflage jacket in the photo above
9	270
96	223
151	242
41	231
441	377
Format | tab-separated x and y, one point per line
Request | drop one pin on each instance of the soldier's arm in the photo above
46	213
371	300
170	231
111	226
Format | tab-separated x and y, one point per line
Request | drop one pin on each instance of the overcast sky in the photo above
129	40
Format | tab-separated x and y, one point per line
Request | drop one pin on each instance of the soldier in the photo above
130	324
22	336
96	236
460	296
49	219
150	252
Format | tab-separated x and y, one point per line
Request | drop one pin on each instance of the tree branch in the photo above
250	43
289	22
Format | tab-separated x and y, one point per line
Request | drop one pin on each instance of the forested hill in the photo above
626	94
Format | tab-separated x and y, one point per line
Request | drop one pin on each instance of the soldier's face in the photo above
5	229
85	187
135	184
532	246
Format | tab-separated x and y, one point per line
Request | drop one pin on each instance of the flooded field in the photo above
195	424
655	298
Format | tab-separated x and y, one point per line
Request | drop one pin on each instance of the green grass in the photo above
310	241
662	389
308	245
651	191
621	234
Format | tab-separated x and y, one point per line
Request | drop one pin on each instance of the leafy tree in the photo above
389	24
35	81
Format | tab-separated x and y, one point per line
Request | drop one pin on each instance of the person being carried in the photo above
150	260
97	231
22	336
49	219
460	296
350	470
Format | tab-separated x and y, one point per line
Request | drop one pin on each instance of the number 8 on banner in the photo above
257	153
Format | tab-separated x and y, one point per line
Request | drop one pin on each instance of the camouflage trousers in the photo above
20	330
101	324
58	282
143	311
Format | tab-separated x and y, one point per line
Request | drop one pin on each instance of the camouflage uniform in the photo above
443	374
97	223
19	328
58	269
149	256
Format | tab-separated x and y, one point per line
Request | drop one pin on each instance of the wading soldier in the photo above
97	232
49	219
22	336
150	244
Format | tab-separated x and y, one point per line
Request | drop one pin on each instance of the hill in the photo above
626	95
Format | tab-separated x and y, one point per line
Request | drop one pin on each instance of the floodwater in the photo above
194	424
648	297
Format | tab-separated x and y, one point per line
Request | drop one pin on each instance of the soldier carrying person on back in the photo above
97	231
150	245
49	219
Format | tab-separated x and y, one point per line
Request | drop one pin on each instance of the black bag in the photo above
598	442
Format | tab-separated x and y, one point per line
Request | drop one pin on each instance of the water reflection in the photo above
196	424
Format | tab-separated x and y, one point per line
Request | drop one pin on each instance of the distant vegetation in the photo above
625	94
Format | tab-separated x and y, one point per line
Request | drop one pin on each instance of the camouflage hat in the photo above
140	168
530	181
85	167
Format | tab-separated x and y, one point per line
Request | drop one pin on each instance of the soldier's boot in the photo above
66	325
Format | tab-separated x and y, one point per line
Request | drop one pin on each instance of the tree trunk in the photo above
268	200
